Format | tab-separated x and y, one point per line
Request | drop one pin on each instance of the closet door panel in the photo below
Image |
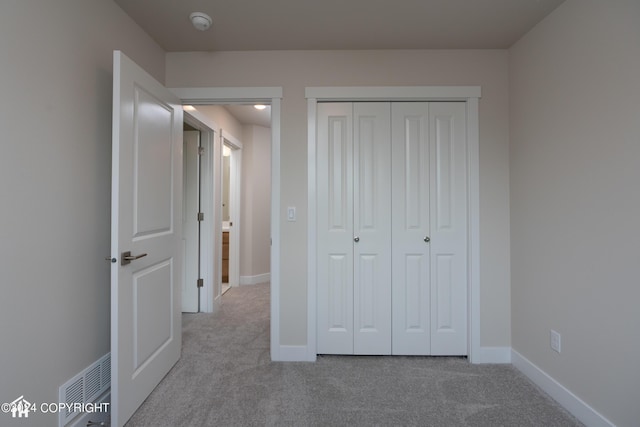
372	230
411	224
335	229
449	228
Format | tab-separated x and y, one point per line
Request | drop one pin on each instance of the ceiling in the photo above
240	25
248	115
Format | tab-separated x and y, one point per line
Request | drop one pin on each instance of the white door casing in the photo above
252	95
469	95
190	224
146	219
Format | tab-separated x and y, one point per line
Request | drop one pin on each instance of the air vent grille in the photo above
106	369
85	387
74	393
92	383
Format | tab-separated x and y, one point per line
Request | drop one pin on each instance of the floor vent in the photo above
85	387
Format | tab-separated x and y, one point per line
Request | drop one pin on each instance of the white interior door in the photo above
354	236
411	253
190	223
335	229
448	216
372	228
392	228
146	222
235	208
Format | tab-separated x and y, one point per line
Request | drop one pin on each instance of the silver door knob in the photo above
356	239
426	239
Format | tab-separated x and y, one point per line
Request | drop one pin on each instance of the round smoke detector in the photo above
201	21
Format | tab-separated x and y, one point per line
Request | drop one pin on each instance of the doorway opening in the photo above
212	96
249	208
232	206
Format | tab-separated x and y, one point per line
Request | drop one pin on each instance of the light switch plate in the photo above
291	213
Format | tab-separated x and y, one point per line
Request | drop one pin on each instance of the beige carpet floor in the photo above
225	378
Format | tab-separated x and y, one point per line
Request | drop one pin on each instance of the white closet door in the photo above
372	230
335	229
411	222
448	228
392	228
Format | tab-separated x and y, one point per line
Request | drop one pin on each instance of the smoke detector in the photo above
201	21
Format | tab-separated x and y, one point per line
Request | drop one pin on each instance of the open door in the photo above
146	221
191	222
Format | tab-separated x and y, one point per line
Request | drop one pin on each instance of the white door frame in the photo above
210	292
468	94
264	95
235	200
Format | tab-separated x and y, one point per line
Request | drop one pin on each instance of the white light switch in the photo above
291	213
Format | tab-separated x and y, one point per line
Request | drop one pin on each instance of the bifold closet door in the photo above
411	299
392	228
429	228
354	233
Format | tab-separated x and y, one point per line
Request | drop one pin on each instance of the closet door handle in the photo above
426	239
356	239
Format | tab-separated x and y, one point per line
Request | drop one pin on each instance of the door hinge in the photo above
200	216
200	283
200	151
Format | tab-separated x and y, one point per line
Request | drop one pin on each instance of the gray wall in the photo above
255	246
293	70
55	184
575	201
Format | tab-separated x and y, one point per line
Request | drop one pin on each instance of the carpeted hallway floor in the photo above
226	378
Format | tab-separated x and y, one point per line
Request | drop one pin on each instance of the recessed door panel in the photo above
444	170
339	286
339	154
414	313
152	165
153	299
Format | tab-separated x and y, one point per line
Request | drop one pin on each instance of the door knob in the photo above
356	239
426	239
127	257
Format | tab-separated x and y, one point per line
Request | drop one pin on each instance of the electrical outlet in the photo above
555	341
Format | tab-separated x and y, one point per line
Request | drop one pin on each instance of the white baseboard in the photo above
493	355
254	280
572	403
292	353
